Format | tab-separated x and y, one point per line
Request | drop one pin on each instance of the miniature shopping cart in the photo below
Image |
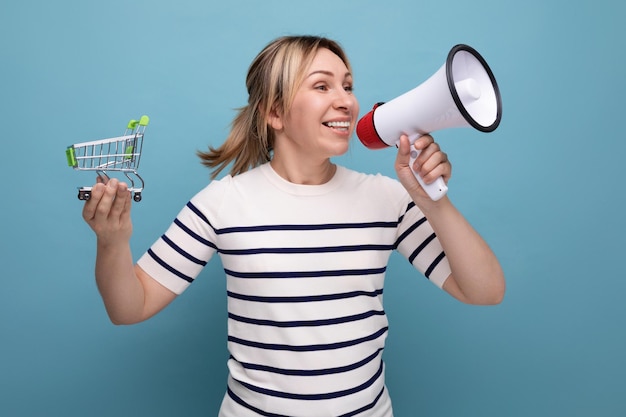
120	154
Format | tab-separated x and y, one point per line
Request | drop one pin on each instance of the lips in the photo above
337	124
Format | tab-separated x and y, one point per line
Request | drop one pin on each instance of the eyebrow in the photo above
329	73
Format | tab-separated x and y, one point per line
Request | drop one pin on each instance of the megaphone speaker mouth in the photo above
473	88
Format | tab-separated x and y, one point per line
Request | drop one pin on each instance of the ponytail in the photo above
244	147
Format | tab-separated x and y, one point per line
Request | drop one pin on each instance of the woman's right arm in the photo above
130	295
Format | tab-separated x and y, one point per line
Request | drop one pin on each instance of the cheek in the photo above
303	117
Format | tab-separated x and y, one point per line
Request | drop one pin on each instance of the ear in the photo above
275	120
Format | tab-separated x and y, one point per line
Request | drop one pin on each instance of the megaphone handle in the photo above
436	189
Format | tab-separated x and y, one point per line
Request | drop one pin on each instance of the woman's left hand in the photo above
431	163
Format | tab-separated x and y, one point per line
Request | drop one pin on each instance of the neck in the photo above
298	172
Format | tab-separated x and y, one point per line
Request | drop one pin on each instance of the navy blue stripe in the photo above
321	249
306	274
421	247
307	323
260	412
308	348
434	264
182	252
291	227
244	404
304	299
408	207
323	396
199	214
194	234
168	267
409	231
365	408
311	372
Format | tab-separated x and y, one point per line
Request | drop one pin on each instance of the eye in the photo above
321	87
349	88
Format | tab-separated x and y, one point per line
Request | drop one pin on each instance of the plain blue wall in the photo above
546	190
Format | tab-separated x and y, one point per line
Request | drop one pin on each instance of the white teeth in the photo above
338	124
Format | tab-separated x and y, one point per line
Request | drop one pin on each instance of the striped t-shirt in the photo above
305	267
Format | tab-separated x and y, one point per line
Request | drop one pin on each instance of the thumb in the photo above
404	151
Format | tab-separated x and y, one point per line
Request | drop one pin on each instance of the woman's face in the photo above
323	114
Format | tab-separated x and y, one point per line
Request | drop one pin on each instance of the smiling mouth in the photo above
337	125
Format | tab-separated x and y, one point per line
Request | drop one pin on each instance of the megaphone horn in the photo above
462	93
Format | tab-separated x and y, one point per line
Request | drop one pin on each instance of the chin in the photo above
340	149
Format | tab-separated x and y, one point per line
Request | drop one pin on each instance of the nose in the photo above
345	100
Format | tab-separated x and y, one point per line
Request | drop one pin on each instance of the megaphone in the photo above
462	93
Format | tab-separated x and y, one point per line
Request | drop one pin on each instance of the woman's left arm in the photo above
476	276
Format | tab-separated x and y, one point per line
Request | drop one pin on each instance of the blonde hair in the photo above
272	81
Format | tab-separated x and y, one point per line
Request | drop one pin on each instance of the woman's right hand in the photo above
107	211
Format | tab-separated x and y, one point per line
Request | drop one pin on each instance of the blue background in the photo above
546	190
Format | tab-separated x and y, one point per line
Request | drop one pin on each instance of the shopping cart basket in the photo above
120	154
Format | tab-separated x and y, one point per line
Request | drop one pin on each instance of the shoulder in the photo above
223	185
376	193
372	182
222	194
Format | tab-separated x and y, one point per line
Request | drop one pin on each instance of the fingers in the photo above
108	203
432	162
89	209
118	200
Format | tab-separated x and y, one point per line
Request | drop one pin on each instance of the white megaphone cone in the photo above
462	93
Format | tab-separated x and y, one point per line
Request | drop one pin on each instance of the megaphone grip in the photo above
435	190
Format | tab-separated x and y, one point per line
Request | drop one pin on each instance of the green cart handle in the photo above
143	121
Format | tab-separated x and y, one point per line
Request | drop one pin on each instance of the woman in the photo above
304	242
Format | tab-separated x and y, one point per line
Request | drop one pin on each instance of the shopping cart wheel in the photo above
84	195
137	197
